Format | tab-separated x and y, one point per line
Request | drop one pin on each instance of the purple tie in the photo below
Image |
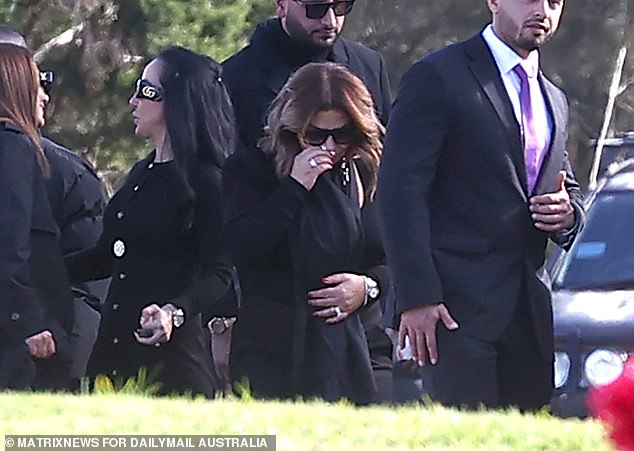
534	136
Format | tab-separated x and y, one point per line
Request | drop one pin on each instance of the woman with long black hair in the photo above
161	240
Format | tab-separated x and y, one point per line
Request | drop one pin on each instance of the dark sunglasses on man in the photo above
147	91
316	136
46	79
317	10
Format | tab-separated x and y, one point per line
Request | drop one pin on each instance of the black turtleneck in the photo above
293	53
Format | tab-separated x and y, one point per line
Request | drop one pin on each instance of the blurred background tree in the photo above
98	47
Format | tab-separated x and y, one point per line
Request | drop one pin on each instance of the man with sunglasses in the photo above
77	200
304	31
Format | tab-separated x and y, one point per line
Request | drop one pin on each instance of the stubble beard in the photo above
307	40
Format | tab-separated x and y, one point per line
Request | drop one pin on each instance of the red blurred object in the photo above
613	404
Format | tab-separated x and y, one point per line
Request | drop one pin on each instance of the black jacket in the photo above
34	290
157	252
77	199
255	75
261	210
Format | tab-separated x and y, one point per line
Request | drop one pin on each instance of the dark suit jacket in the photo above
34	290
453	194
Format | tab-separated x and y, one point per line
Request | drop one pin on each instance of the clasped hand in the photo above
159	322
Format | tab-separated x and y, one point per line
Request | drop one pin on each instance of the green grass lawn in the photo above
301	426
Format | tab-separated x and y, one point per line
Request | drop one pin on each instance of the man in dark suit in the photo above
304	31
474	179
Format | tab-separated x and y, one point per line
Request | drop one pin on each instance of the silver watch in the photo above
178	315
372	290
219	324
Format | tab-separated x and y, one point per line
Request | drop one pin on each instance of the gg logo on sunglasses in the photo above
146	90
317	10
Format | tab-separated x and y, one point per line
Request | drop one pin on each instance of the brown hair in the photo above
19	85
322	87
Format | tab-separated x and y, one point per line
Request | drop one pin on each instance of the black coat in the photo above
454	197
261	211
34	289
255	75
158	247
77	200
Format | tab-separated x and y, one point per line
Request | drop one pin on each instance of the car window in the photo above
602	256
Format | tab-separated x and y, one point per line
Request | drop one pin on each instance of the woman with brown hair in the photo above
301	228
35	296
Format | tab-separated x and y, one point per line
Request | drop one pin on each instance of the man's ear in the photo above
281	6
493	5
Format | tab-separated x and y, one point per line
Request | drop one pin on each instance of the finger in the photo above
419	349
559	207
328	312
554	218
336	319
546	199
323	303
447	319
550	227
430	346
560	184
333	279
323	293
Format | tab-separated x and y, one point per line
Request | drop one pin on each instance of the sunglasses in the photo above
316	136
317	10
147	91
46	80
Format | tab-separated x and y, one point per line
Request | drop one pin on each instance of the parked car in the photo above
593	293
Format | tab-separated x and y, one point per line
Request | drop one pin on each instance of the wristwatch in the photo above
219	324
178	315
372	291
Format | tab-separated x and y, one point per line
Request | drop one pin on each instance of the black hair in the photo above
198	112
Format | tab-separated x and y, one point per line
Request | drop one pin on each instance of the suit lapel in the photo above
485	70
553	160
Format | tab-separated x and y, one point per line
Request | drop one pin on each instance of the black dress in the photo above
159	246
277	345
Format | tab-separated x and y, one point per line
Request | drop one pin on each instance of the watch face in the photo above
217	325
178	318
373	292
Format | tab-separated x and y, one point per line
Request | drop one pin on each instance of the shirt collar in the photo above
505	56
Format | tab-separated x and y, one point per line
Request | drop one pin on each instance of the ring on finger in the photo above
312	163
338	311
